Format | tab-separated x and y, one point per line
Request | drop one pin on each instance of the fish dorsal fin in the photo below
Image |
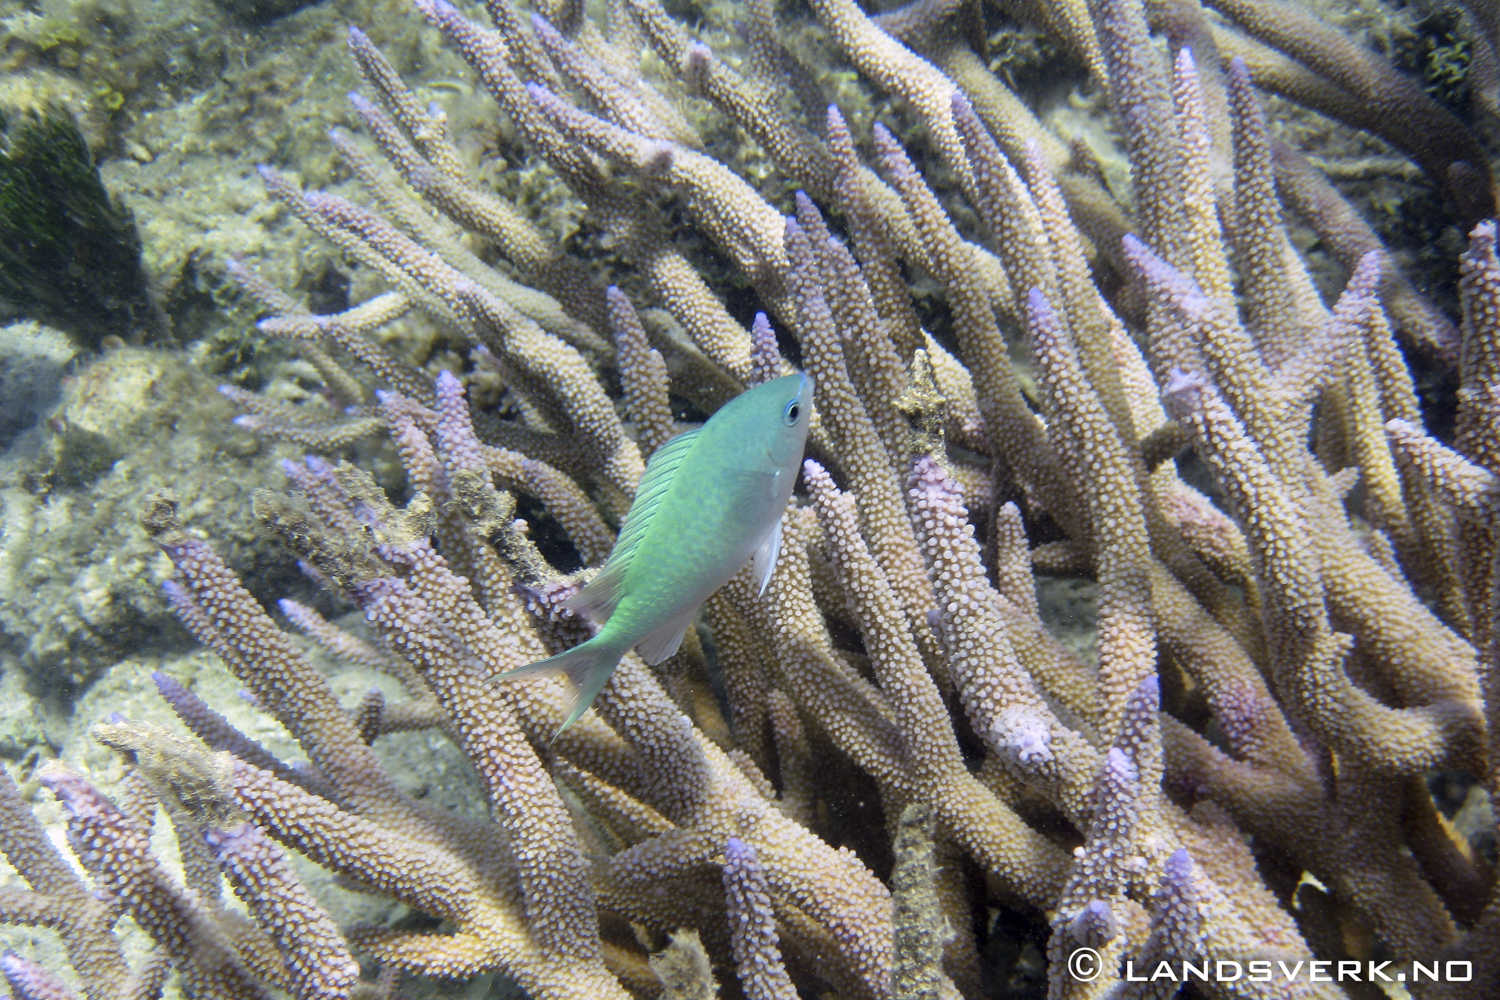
597	600
663	641
764	563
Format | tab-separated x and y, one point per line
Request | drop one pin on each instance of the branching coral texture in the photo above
1239	776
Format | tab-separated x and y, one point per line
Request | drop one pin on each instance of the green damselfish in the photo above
710	501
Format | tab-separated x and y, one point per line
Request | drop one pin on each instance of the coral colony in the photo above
897	750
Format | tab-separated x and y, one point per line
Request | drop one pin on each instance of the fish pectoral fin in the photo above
764	562
662	641
587	668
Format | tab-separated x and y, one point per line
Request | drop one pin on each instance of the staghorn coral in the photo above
1235	777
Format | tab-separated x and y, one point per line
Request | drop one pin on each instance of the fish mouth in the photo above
806	391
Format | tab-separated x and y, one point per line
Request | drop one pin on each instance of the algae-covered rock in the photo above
69	251
261	11
32	361
80	583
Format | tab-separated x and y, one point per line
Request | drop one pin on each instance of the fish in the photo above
710	501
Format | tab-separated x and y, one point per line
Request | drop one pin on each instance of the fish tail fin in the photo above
587	667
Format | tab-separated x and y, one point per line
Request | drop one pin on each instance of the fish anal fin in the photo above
663	641
764	562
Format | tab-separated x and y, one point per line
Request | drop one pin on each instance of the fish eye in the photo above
793	411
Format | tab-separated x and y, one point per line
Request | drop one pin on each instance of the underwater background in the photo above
175	316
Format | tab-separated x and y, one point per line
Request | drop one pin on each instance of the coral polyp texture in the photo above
874	777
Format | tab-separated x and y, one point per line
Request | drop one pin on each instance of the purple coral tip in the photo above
242	839
1182	385
169	687
1179	866
1118	763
